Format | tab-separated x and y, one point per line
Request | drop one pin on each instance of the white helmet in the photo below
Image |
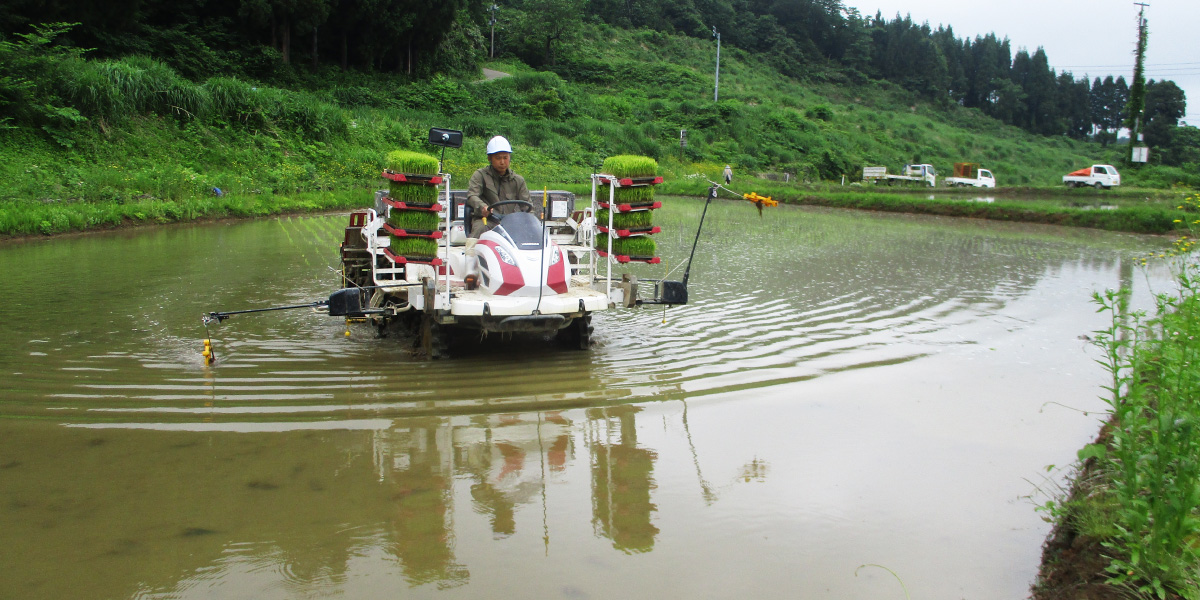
498	144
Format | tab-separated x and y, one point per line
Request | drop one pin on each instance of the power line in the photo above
1126	66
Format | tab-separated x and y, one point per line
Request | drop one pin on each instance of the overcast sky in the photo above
1095	38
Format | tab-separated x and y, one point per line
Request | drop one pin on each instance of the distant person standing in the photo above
728	174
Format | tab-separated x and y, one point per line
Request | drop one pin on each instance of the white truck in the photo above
1097	176
923	173
969	174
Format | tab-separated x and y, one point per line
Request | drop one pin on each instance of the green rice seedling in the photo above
414	246
640	219
416	163
628	165
638	245
412	193
642	194
417	220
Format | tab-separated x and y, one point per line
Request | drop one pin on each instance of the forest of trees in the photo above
270	40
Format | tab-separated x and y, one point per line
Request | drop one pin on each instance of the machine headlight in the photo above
505	256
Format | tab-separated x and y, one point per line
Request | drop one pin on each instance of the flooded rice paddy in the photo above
846	389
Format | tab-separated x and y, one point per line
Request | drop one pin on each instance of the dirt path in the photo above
490	74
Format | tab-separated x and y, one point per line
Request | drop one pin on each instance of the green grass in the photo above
36	218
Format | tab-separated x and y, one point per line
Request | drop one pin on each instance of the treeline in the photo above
296	43
804	38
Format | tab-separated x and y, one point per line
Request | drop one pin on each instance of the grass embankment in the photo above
1131	522
1140	211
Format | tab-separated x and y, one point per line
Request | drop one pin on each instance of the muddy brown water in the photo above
847	394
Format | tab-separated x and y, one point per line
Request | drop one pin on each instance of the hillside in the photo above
135	137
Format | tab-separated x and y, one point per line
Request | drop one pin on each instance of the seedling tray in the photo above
622	258
628	232
412	178
632	181
412	205
417	260
631	207
414	233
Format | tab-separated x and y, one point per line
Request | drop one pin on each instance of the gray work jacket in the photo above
488	187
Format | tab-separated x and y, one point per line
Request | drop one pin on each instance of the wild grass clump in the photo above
1150	467
229	97
421	247
638	245
639	219
413	220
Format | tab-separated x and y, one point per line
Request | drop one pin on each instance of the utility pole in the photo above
717	76
1137	93
492	48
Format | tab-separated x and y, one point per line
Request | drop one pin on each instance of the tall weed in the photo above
1152	462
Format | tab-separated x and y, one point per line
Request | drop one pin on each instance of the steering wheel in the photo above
528	208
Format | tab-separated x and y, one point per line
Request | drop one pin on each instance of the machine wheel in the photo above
435	342
578	334
1098	185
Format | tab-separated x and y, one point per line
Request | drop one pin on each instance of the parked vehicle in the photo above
969	174
1097	176
922	173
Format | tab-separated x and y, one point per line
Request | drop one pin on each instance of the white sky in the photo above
1095	38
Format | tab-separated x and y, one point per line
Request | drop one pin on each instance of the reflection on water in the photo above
846	388
194	507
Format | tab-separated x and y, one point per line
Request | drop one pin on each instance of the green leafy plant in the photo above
1152	462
